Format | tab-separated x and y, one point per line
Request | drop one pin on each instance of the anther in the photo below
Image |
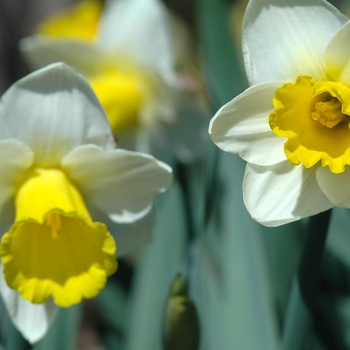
329	113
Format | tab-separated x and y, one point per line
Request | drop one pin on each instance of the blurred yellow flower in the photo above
130	63
79	21
128	58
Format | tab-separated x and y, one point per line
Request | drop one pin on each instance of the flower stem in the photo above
311	258
309	277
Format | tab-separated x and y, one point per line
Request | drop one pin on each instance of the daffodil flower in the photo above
127	54
292	124
60	173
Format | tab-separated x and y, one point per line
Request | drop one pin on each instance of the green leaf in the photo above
161	260
230	281
112	302
221	63
283	245
339	239
297	322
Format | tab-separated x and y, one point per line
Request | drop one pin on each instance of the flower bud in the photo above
181	324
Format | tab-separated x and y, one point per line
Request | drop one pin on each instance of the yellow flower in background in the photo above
62	180
81	21
121	95
128	59
120	86
292	124
129	62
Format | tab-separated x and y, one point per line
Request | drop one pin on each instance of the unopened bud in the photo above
181	325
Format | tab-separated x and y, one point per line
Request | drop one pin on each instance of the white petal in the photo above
282	193
242	126
139	29
15	158
337	55
118	182
129	237
53	110
40	50
335	186
283	39
32	320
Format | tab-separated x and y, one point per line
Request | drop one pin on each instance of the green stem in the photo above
309	276
311	258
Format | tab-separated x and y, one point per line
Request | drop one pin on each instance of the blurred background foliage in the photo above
246	281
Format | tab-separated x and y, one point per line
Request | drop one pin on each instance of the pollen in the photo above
329	113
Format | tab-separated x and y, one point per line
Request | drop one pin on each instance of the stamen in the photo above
53	220
329	113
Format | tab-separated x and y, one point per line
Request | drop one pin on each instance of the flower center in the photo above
314	117
54	249
329	113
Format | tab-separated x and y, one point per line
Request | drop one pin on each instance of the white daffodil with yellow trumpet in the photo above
62	179
292	124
